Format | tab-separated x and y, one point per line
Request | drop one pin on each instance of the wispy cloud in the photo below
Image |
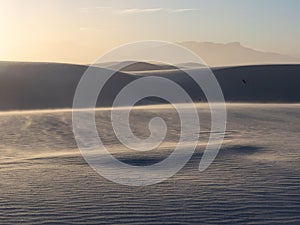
154	10
184	10
137	11
130	11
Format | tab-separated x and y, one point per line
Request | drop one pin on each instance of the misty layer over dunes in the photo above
255	179
49	85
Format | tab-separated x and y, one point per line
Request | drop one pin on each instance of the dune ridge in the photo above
52	85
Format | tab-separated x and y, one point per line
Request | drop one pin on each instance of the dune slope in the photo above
50	85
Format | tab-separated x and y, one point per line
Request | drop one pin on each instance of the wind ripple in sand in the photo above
254	180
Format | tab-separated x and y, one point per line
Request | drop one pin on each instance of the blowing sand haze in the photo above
149	112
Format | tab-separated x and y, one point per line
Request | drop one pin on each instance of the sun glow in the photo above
5	7
80	31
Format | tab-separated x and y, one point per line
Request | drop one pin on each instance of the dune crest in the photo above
52	85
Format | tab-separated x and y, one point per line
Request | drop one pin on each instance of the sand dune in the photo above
50	85
44	179
264	83
136	66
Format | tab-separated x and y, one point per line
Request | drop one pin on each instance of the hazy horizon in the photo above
211	53
149	112
81	31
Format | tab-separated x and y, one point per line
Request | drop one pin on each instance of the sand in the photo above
254	180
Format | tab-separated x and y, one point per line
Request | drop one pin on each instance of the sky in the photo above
80	31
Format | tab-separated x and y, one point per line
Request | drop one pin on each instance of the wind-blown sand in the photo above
254	180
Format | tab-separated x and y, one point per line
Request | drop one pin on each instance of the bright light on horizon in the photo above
80	31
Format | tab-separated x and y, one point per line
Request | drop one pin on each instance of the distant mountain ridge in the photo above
234	53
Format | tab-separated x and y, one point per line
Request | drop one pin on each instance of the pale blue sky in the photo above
58	30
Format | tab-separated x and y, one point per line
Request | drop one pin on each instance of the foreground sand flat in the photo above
254	180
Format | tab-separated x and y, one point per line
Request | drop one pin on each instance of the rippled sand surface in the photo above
254	180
